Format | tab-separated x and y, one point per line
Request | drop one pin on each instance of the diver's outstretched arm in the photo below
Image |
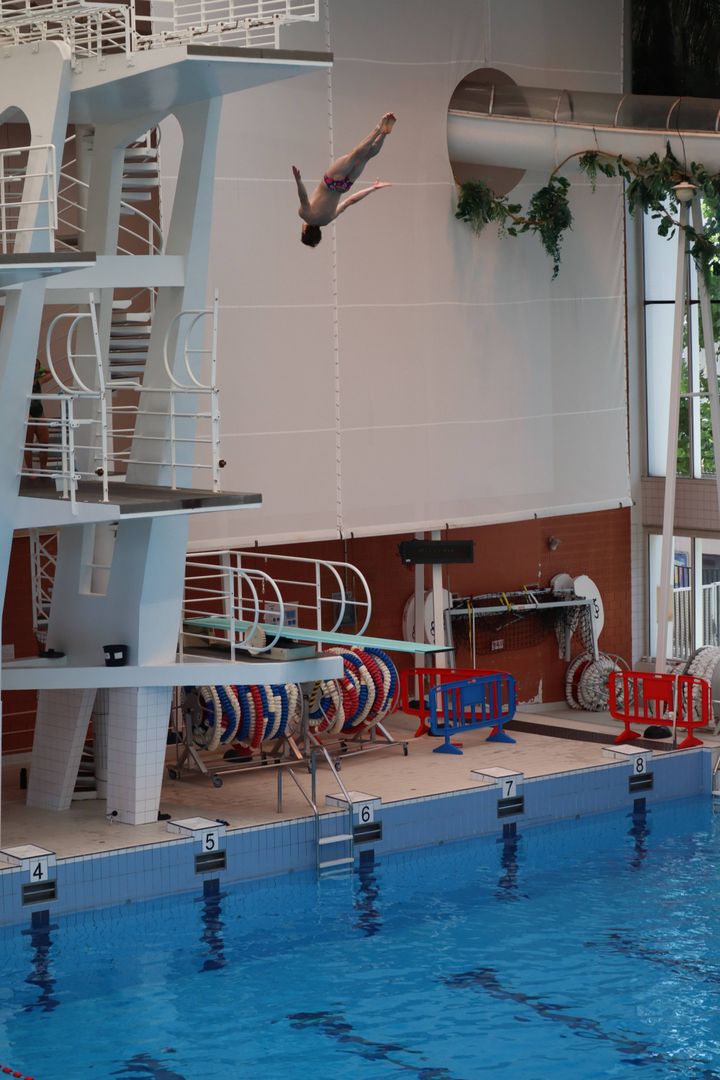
359	195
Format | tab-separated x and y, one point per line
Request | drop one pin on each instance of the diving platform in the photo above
22	267
161	80
320	637
41	506
45	674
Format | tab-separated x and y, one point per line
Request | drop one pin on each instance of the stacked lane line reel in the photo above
705	664
247	716
360	700
587	681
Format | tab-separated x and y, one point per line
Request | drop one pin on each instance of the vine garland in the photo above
649	187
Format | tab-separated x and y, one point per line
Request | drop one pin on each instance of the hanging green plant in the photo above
548	215
478	205
649	188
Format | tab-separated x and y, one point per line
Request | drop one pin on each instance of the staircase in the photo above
129	340
140	233
141	171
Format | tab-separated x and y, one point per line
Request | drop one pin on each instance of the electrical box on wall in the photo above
436	551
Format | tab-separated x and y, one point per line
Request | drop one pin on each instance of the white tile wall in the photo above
137	726
60	732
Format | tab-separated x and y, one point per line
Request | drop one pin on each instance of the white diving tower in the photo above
131	406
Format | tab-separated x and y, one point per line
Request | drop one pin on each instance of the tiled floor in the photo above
251	799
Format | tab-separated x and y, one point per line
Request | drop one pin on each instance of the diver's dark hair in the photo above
311	235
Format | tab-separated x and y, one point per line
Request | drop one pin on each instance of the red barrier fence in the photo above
643	697
415	694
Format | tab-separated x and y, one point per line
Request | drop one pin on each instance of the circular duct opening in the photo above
472	94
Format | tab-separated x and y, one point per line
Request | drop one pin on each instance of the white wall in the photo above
406	373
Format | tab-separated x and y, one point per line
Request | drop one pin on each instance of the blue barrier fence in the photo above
488	701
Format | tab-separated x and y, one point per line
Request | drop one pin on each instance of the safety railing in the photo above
91	30
62	449
85	434
180	401
28	197
471	704
646	698
238	22
221	603
94	30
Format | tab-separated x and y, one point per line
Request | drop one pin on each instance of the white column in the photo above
710	359
419	606
138	720
60	730
438	607
666	557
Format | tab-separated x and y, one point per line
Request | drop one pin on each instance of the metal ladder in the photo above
343	840
339	864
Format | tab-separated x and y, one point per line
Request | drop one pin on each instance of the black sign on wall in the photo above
436	551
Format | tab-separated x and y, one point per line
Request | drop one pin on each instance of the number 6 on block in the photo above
365	813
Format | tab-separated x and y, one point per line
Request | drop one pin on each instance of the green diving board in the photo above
297	633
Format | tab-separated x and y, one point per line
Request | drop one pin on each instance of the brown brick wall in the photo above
506	558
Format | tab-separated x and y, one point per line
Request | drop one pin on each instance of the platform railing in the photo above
238	22
94	30
28	197
91	30
184	400
96	440
72	438
222	603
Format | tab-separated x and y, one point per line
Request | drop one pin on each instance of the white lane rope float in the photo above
587	681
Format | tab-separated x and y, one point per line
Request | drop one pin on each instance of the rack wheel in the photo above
405	749
172	773
338	764
217	781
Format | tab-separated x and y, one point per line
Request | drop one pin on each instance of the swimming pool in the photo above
581	949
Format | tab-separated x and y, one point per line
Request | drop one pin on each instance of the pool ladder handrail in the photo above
714	789
325	866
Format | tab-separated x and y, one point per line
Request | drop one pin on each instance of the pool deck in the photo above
549	742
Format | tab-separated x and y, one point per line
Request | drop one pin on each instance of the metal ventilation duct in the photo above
533	127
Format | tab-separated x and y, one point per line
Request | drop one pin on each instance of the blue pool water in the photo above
586	949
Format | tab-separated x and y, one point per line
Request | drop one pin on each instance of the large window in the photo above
696	593
695	451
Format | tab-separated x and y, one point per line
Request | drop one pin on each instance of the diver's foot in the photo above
387	123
